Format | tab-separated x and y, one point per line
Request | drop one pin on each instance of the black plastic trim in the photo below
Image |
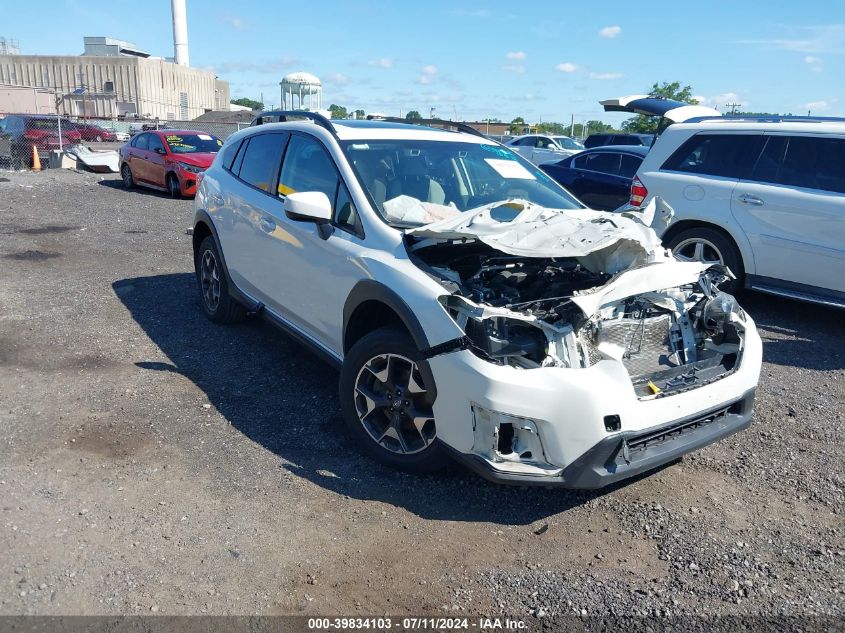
369	290
599	466
234	292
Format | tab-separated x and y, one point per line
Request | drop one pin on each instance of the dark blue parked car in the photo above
601	177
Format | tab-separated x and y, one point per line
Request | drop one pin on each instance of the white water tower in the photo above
301	91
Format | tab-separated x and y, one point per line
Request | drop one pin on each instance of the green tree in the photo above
338	112
642	124
517	125
360	114
252	104
413	114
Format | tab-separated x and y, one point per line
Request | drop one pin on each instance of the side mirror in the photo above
311	206
308	206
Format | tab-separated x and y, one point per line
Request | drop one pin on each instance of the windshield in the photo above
193	143
567	143
417	182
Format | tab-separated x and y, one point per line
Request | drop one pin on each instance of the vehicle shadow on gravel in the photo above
279	395
798	334
117	183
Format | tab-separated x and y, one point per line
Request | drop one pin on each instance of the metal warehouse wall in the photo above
26	100
156	87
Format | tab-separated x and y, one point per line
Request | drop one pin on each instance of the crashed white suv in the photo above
475	309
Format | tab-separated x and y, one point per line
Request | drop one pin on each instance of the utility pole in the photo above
572	125
733	107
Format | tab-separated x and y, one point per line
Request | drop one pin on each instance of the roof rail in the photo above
769	119
283	116
461	127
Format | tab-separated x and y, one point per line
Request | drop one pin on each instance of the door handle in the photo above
267	225
747	198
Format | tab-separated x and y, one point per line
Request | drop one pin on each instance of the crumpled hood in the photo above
198	159
600	241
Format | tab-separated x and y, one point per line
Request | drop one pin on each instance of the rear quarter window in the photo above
726	155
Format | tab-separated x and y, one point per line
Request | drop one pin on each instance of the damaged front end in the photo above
533	288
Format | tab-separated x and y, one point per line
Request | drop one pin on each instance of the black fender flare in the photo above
370	290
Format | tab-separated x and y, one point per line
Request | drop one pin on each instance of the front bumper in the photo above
584	427
187	182
631	453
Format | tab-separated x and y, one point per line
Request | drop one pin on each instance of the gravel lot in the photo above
154	462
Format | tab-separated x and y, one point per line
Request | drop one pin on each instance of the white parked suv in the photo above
475	309
766	197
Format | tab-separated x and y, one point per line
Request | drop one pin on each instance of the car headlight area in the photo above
582	427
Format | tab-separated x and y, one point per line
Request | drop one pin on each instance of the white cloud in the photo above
817	105
829	38
381	62
234	21
429	70
338	79
566	67
815	63
424	80
514	68
428	74
721	101
516	56
610	32
605	76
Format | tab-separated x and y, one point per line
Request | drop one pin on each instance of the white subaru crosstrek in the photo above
475	309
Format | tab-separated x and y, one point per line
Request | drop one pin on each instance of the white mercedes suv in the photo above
475	309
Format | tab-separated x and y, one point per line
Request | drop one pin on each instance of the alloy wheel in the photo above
210	280
393	404
127	176
697	249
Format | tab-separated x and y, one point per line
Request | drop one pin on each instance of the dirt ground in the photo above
154	462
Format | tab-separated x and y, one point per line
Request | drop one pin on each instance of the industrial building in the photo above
113	78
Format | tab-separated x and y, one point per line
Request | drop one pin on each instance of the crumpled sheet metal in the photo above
601	241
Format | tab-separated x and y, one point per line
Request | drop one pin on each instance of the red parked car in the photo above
168	160
19	132
90	132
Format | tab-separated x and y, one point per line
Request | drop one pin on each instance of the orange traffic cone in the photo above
36	161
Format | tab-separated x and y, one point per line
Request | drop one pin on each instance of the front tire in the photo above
386	393
173	187
217	303
711	246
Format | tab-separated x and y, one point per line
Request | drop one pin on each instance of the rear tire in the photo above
386	394
128	178
217	303
710	245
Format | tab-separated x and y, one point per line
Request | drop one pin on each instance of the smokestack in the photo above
180	32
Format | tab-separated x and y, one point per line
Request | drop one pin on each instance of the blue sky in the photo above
540	60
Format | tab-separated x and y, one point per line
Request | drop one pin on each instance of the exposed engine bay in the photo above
530	312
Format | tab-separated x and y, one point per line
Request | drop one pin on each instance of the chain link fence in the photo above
23	136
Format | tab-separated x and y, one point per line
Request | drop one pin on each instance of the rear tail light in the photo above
638	192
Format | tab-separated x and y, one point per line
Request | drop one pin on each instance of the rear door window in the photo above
603	162
630	165
809	162
142	142
261	160
726	155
